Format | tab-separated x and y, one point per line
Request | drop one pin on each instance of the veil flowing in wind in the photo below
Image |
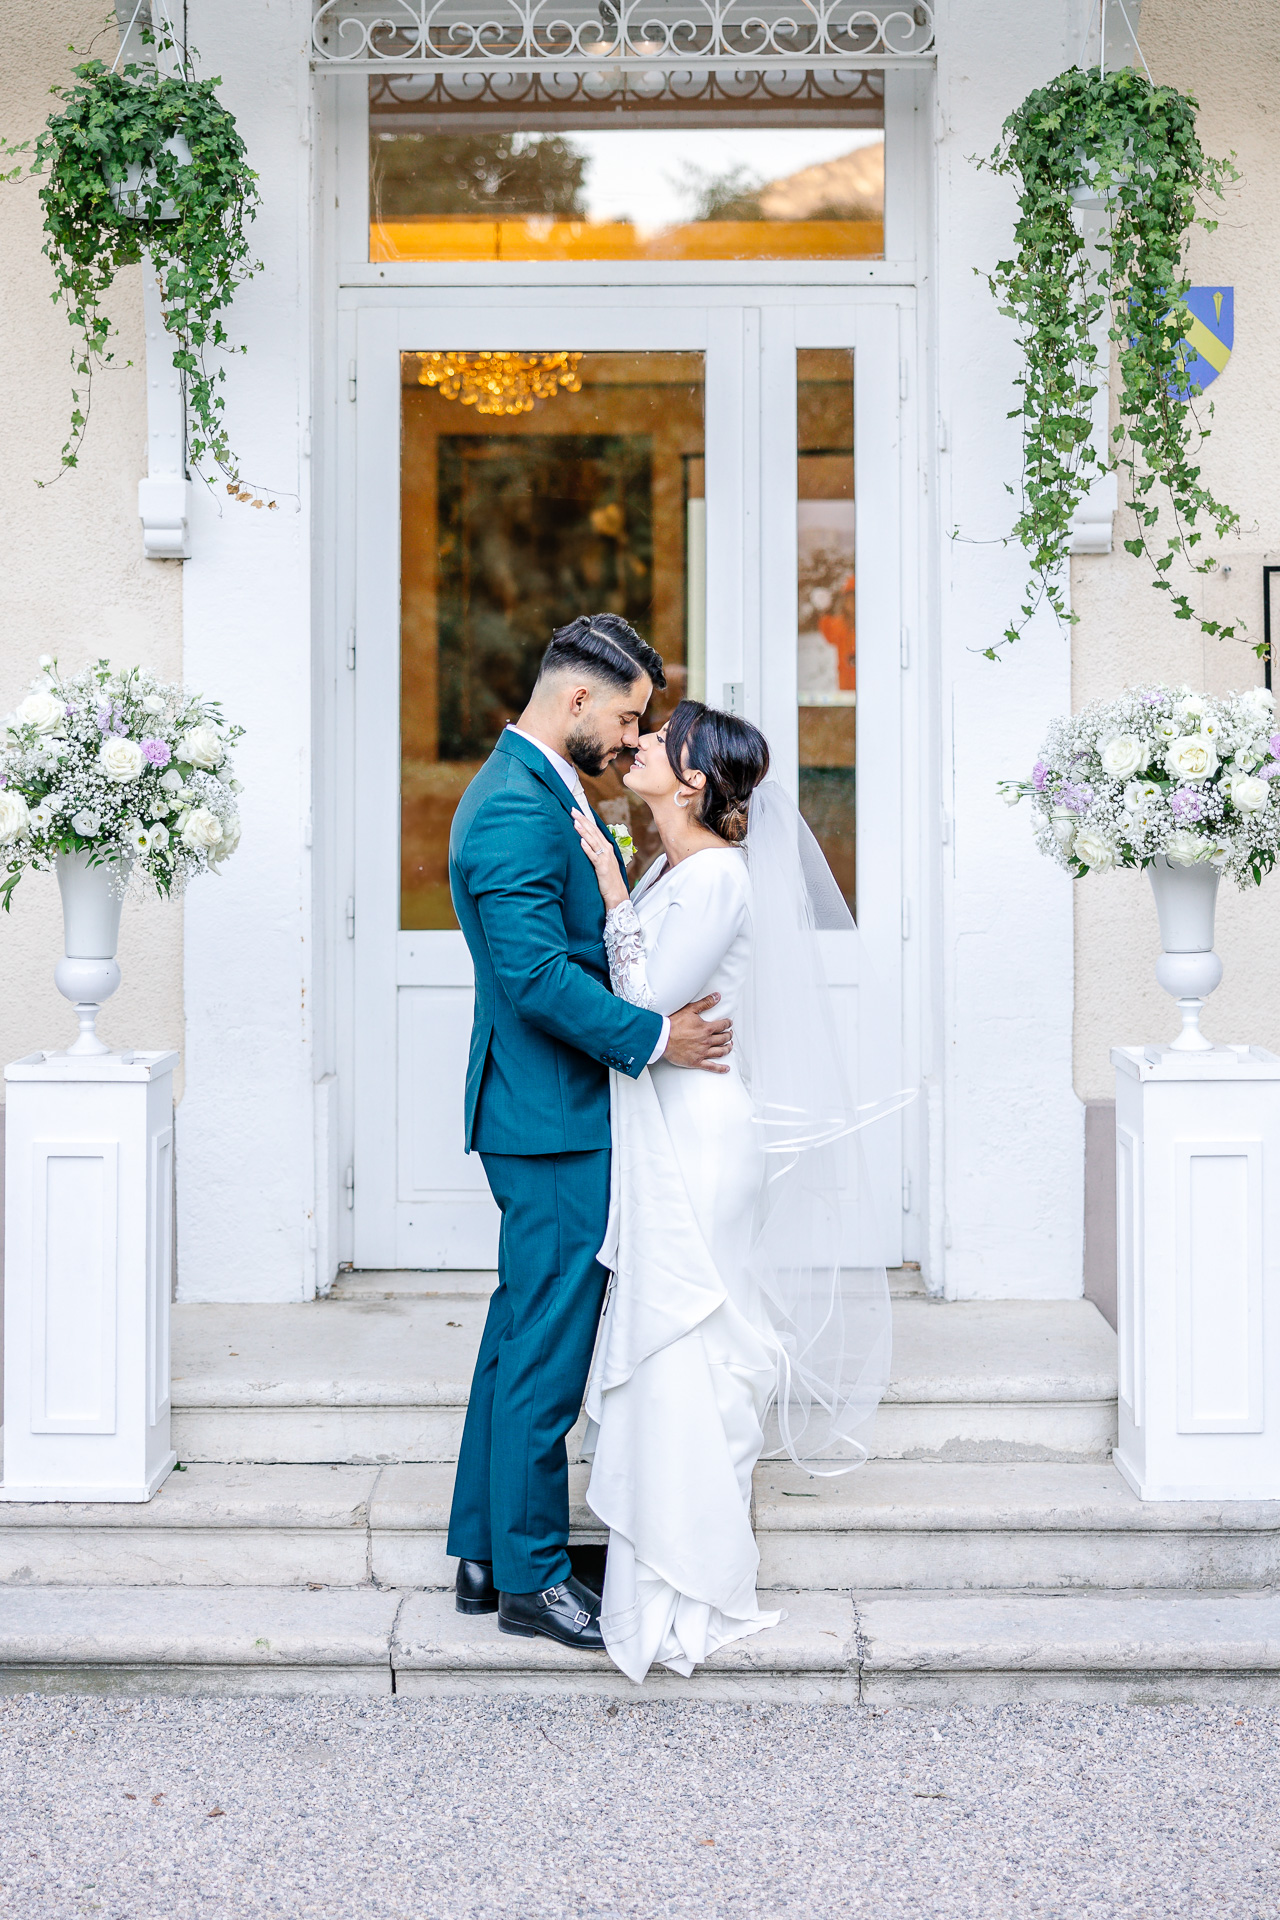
817	1249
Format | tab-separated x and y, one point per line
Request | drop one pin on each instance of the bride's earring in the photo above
682	800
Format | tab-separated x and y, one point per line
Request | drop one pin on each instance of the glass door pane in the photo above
827	613
534	488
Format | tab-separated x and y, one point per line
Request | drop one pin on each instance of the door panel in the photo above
663	475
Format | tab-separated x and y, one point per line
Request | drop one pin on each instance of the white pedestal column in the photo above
1198	1270
88	1275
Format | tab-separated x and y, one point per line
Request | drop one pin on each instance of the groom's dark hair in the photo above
602	646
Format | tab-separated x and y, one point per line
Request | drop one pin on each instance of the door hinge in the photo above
351	380
349	1183
904	648
351	916
902	380
906	1190
906	919
351	649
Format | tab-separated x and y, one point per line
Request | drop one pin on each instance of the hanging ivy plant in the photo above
1132	146
138	162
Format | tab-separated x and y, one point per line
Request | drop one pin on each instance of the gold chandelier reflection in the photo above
500	383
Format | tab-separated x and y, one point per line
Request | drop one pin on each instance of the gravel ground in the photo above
537	1810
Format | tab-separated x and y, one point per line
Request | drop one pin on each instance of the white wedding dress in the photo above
687	1361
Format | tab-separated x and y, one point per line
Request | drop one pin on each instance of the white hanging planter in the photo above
92	897
1188	968
131	194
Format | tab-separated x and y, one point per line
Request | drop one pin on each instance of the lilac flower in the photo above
103	718
1075	796
157	753
1274	744
1040	776
1186	805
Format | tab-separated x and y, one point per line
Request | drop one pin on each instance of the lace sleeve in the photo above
624	944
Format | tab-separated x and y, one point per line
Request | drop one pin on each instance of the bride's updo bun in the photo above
731	753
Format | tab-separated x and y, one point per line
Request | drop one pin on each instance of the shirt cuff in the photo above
663	1038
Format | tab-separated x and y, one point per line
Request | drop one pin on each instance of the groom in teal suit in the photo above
547	1029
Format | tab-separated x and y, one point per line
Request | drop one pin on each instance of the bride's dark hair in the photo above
733	755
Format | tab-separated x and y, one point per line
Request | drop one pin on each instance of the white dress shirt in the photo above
569	774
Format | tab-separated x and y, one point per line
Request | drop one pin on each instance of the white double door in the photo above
420	1201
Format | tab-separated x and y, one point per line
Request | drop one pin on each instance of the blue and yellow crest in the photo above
1207	347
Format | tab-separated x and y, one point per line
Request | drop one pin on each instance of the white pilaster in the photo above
246	1159
1198	1271
88	1273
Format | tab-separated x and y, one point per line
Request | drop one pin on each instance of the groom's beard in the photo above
587	751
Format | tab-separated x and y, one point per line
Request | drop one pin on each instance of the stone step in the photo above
892	1524
880	1649
384	1378
406	1283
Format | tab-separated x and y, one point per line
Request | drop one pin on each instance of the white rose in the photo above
1247	793
1096	852
1191	759
1186	849
1192	707
152	703
202	747
228	844
45	660
1259	701
86	822
171	780
15	819
1140	793
201	830
1064	827
1124	755
1009	795
43	711
120	759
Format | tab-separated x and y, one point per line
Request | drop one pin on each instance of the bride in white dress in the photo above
706	1325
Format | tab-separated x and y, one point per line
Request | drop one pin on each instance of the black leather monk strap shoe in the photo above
474	1587
569	1613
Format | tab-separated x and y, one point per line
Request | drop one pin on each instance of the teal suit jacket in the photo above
547	1027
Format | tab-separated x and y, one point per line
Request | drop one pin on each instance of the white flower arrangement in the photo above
121	766
1160	770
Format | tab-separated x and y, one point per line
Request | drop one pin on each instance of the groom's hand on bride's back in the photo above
695	1042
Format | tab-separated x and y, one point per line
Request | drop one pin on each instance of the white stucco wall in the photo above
73	581
1228	57
1012	1140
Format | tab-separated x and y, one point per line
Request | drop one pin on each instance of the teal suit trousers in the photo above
511	1495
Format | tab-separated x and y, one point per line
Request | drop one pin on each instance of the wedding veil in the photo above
817	1251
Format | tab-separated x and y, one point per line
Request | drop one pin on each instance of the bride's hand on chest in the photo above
600	851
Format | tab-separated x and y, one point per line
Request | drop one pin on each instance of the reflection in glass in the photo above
668	192
827	632
512	524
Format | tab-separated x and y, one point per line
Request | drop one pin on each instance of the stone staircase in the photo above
988	1550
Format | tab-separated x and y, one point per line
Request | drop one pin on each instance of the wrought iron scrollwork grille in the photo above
613	38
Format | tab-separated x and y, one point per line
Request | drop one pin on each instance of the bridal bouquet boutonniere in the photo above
625	844
120	766
1160	770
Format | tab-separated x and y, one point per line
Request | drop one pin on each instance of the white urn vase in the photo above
1188	968
92	897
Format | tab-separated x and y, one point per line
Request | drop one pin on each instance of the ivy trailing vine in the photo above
1133	146
139	162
